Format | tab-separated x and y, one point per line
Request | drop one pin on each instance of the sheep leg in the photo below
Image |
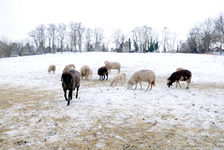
179	84
70	95
188	82
77	91
140	85
107	76
136	85
65	94
148	86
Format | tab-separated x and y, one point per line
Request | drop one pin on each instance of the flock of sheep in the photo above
71	78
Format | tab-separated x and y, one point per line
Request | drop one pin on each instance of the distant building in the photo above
27	50
14	50
126	47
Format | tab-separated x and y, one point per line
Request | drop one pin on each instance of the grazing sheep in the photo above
68	67
120	78
51	68
70	81
181	75
142	76
113	65
102	71
85	72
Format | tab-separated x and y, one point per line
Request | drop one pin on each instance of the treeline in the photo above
206	37
75	37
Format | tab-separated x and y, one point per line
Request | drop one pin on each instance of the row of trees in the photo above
205	37
75	37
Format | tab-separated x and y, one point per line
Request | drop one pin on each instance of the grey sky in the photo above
19	17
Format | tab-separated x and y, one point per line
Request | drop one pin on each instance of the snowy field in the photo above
34	114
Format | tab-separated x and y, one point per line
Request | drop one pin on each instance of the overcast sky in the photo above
19	17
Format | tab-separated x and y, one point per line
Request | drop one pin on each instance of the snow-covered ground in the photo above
34	114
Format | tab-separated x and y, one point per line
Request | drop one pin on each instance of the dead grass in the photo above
104	133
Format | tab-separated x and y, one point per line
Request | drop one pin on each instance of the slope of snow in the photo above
31	70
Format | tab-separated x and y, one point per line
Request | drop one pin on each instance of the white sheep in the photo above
68	67
142	76
85	72
120	78
178	69
113	65
51	68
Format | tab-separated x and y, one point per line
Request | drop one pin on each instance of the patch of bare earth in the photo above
25	125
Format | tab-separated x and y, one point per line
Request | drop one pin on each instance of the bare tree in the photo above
165	39
33	35
98	38
51	30
118	38
202	37
80	30
4	48
219	27
41	37
61	31
73	35
88	36
207	34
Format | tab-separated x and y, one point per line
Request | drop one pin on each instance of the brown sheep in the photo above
70	81
181	75
142	76
51	68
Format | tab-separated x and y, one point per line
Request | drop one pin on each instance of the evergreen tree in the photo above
156	46
129	44
136	46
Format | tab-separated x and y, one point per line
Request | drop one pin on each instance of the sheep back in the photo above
143	75
112	65
68	67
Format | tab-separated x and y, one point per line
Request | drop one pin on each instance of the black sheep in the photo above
70	81
181	75
102	71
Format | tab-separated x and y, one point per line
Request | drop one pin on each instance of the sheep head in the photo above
169	83
66	79
130	84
